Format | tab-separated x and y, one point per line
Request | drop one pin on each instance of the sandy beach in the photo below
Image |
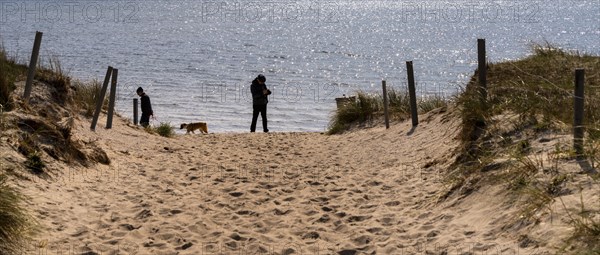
367	191
504	160
372	191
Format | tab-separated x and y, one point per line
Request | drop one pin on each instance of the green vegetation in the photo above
539	89
360	111
85	95
527	99
34	163
40	129
164	129
15	225
535	94
55	76
9	72
369	107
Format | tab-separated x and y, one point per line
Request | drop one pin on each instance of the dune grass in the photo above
6	86
85	96
54	74
360	111
15	224
539	92
369	107
9	72
163	129
539	85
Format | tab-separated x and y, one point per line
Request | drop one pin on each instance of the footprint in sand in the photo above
185	246
392	203
280	212
310	212
387	221
143	214
248	212
236	194
326	209
311	235
175	211
341	214
357	218
324	219
374	230
433	234
129	227
362	240
427	227
237	237
348	252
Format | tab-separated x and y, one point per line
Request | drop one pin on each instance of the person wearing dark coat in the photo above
259	102
146	108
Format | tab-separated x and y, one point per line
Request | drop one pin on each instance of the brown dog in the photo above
193	126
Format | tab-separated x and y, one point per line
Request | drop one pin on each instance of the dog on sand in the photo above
193	126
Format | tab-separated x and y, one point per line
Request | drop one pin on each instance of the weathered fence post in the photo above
578	129
482	68
135	111
111	99
32	64
100	98
385	105
412	93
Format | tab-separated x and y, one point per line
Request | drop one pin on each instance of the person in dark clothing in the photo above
259	101
146	108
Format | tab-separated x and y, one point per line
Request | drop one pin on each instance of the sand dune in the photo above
372	191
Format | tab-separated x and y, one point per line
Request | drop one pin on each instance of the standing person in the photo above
259	101
146	108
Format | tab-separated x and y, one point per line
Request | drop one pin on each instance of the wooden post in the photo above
32	64
578	129
111	99
385	105
482	68
100	98
412	93
135	111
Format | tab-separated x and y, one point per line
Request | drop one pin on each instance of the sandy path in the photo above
367	192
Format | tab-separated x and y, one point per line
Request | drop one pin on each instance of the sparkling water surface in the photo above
196	59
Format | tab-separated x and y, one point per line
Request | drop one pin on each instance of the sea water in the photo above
196	59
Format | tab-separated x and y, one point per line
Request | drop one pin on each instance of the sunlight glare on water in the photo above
196	59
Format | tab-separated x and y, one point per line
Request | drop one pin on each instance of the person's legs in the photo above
263	114
255	112
145	120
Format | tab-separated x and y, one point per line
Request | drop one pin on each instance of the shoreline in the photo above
405	189
365	191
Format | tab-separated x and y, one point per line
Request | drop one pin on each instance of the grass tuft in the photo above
536	94
164	129
15	225
35	163
9	72
54	75
6	87
85	96
367	107
587	228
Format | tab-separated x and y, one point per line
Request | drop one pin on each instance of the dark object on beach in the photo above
146	108
260	100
